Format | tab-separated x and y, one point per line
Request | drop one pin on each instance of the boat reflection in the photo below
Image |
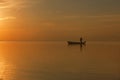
75	46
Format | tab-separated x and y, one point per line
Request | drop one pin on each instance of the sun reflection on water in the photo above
1	69
6	70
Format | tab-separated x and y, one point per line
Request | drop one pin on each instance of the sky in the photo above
60	20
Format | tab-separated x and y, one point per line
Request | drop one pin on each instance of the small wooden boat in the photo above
80	43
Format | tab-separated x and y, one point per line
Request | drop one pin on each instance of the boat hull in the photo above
80	43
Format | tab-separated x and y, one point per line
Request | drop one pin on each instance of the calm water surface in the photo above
59	61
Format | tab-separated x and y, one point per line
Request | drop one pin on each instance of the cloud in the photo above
3	4
1	1
7	18
7	4
85	16
103	16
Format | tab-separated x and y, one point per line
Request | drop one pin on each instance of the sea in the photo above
56	60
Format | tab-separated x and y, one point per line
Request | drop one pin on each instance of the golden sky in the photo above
59	19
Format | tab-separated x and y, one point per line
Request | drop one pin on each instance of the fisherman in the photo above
81	39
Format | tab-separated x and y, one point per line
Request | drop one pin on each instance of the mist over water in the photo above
48	60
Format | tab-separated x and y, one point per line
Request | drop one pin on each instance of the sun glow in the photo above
7	18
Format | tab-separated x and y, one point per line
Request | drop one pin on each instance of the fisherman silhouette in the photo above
81	39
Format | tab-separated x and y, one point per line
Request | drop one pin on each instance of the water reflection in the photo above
6	69
57	61
1	69
80	46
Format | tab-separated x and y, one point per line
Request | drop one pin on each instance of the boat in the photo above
73	42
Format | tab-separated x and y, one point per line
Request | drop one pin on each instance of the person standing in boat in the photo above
81	39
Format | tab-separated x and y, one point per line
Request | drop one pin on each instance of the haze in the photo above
60	20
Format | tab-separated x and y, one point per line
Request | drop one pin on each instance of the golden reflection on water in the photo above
58	61
2	68
6	69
